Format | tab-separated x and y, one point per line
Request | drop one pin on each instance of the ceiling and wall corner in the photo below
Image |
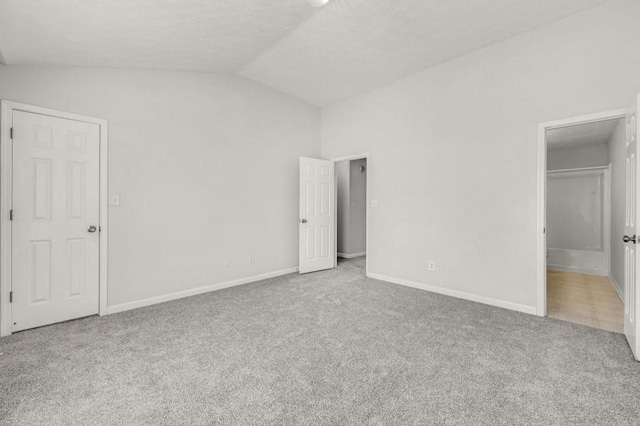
199	35
354	46
320	55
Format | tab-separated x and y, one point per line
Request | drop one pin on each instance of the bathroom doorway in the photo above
585	202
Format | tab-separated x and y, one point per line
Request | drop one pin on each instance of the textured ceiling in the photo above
321	55
355	45
194	35
584	134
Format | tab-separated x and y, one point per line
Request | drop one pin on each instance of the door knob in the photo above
92	229
627	238
304	221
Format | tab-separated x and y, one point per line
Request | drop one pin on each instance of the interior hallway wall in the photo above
358	207
352	203
579	156
343	207
455	150
617	156
206	166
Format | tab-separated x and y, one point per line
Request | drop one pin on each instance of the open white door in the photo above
631	220
317	219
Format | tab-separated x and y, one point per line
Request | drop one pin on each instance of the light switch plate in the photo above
114	199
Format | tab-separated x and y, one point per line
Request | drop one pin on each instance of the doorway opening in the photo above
584	219
351	211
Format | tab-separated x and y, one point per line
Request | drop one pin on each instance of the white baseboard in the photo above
617	287
577	270
352	256
195	291
458	294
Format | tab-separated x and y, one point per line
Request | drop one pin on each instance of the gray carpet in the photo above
328	348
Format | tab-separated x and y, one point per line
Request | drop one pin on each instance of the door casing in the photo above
6	187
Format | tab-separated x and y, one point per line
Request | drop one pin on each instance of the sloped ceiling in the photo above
319	55
597	133
193	35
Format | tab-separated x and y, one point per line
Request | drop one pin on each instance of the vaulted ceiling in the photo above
321	55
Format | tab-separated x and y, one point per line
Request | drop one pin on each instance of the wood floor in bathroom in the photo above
584	299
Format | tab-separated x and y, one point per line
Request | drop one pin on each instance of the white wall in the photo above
617	156
206	166
454	150
576	157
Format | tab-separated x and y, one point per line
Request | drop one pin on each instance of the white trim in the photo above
458	294
351	256
617	288
551	267
6	114
541	270
6	186
607	217
195	291
579	169
364	156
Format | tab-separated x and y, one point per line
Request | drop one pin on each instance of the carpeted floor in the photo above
328	348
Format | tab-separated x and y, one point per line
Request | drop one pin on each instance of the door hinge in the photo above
11	214
11	133
10	297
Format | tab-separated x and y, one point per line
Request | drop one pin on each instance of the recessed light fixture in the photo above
317	3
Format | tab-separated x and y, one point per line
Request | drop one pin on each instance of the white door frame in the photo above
541	261
6	186
364	156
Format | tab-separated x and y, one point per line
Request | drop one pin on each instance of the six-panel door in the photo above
55	257
317	220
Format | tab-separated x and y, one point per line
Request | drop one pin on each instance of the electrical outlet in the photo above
227	263
432	265
252	259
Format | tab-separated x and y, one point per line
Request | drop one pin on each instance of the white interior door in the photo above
55	235
317	219
631	219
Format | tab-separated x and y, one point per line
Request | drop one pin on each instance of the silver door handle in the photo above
92	229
